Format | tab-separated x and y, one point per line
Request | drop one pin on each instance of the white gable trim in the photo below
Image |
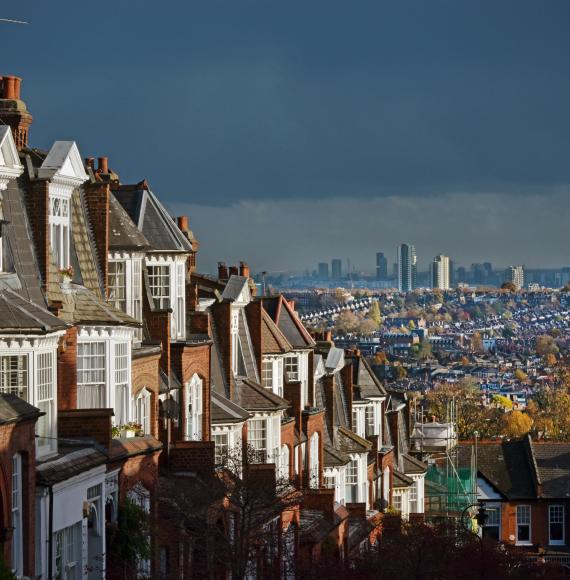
64	165
10	167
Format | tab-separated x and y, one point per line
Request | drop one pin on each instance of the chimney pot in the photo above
10	87
90	162
103	165
234	271
243	269
183	223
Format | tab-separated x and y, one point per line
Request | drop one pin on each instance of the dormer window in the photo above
59	228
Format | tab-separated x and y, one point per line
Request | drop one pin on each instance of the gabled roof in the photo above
225	411
552	460
505	465
64	162
334	457
272	339
350	442
237	290
81	306
10	166
14	409
411	465
288	322
151	218
401	480
253	397
18	315
366	384
123	233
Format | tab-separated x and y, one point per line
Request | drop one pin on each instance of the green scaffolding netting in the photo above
449	489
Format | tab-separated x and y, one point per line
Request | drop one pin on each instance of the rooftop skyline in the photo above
306	131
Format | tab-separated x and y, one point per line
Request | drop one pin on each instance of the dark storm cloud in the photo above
219	102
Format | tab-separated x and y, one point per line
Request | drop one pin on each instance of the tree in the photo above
545	345
228	516
367	326
422	350
374	312
346	322
508	287
477	343
516	424
128	541
502	401
380	358
520	375
550	359
400	372
550	410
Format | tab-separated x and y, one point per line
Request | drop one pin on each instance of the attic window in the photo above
59	226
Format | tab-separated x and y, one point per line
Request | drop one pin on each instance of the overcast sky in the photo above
294	132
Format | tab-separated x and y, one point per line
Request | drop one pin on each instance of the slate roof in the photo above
253	397
350	442
127	447
234	287
366	384
18	245
288	322
81	306
123	233
316	525
272	339
18	315
14	409
151	218
505	465
334	457
225	411
411	465
69	464
401	479
552	461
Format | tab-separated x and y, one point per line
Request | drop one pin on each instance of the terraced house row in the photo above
124	372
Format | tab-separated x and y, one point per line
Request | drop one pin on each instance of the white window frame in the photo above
284	457
194	408
68	552
143	410
267	373
234	332
292	367
221	445
46	384
59	220
160	286
118	284
370	421
314	446
493	510
358	426
562	512
413	498
522	521
17	530
92	376
12	377
352	480
121	363
258	437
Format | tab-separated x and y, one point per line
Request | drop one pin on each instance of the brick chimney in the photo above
234	271
13	111
243	270
223	273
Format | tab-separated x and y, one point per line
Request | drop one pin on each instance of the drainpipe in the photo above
50	531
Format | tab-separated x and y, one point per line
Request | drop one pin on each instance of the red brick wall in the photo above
288	438
67	371
186	361
97	199
18	438
158	324
37	203
145	374
192	456
95	423
253	313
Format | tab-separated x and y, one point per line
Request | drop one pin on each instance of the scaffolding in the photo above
450	485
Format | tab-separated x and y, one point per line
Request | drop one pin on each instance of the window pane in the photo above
118	285
91	375
159	282
14	375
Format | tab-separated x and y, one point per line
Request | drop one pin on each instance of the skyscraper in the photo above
439	272
323	271
407	267
515	274
336	268
381	266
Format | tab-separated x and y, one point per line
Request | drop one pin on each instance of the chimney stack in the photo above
13	111
243	269
183	223
222	271
103	165
234	271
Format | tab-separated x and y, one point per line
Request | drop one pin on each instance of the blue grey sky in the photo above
377	121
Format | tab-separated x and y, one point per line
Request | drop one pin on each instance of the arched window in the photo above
143	404
284	472
314	461
194	409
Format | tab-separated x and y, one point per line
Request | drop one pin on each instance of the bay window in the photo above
272	374
159	284
352	481
125	285
370	420
556	525
523	524
14	377
91	375
45	399
257	435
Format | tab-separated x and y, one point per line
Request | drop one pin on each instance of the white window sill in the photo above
523	543
557	543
